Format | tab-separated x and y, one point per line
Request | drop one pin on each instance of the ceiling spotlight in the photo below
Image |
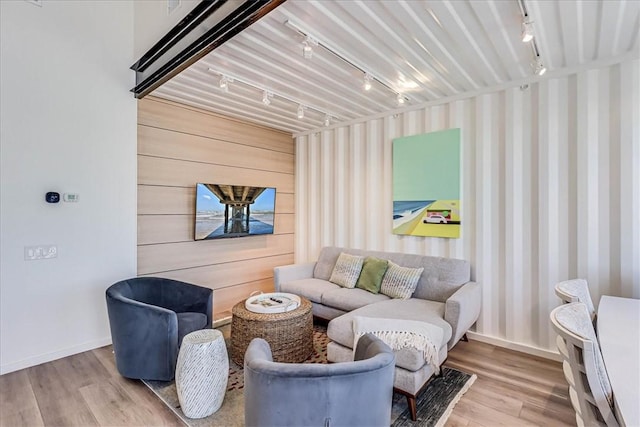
400	99
224	83
539	69
527	30
367	81
307	47
300	111
266	97
327	120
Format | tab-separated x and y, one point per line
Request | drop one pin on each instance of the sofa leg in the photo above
464	338
411	401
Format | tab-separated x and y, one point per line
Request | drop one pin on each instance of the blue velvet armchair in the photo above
350	394
148	317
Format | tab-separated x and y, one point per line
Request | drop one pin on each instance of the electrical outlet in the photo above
32	253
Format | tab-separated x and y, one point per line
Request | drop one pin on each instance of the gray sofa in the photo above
444	297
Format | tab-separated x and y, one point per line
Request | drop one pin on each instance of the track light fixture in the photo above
266	97
400	99
224	83
527	30
367	81
307	47
311	41
528	36
539	67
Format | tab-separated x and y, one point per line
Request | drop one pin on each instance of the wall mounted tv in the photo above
233	211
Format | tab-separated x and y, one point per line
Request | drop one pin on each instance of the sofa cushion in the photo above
341	328
326	261
373	271
347	270
400	282
312	289
350	299
423	337
440	279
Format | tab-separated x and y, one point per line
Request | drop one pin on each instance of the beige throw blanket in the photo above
399	334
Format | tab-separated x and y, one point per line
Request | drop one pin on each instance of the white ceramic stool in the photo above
202	371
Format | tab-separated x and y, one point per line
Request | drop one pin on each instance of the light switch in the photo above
32	253
71	197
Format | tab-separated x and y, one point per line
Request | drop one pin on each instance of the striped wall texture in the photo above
179	146
550	191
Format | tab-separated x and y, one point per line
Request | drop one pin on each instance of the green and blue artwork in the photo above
426	184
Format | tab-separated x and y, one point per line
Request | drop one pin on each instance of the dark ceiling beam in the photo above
153	70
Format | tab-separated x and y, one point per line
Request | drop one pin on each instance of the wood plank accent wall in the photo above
179	146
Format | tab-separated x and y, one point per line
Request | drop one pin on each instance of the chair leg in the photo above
411	401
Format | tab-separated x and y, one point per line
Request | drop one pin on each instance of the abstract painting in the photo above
426	184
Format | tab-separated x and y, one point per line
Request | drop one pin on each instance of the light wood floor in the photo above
512	389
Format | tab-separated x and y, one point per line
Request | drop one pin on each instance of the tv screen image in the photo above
233	211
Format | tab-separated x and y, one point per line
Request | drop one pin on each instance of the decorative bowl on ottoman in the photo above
275	302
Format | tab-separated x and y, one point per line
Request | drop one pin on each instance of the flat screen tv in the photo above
233	211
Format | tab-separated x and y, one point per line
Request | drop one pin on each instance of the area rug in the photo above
434	405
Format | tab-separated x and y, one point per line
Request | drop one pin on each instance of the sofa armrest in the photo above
291	272
462	309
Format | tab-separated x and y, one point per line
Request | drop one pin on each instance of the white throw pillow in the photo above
400	282
347	270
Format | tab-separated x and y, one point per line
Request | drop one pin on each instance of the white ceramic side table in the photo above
202	371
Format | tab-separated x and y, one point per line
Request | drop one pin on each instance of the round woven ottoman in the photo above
202	371
289	334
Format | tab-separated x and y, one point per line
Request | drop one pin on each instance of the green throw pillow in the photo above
372	273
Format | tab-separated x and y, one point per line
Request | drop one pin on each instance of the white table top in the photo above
619	336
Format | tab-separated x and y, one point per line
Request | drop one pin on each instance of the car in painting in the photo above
435	219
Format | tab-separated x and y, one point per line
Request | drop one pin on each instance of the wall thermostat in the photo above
52	197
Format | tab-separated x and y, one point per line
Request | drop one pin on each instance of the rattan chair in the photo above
576	290
589	387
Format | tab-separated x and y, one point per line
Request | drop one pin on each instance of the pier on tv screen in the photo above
224	211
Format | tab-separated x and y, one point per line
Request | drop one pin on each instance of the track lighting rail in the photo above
368	76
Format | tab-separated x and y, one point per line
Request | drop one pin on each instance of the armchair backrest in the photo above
166	293
354	393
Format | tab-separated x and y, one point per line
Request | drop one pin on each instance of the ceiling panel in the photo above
423	50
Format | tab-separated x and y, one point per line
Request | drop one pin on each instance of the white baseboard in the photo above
221	322
54	355
523	348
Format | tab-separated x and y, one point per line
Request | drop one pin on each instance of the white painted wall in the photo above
68	125
551	191
153	21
